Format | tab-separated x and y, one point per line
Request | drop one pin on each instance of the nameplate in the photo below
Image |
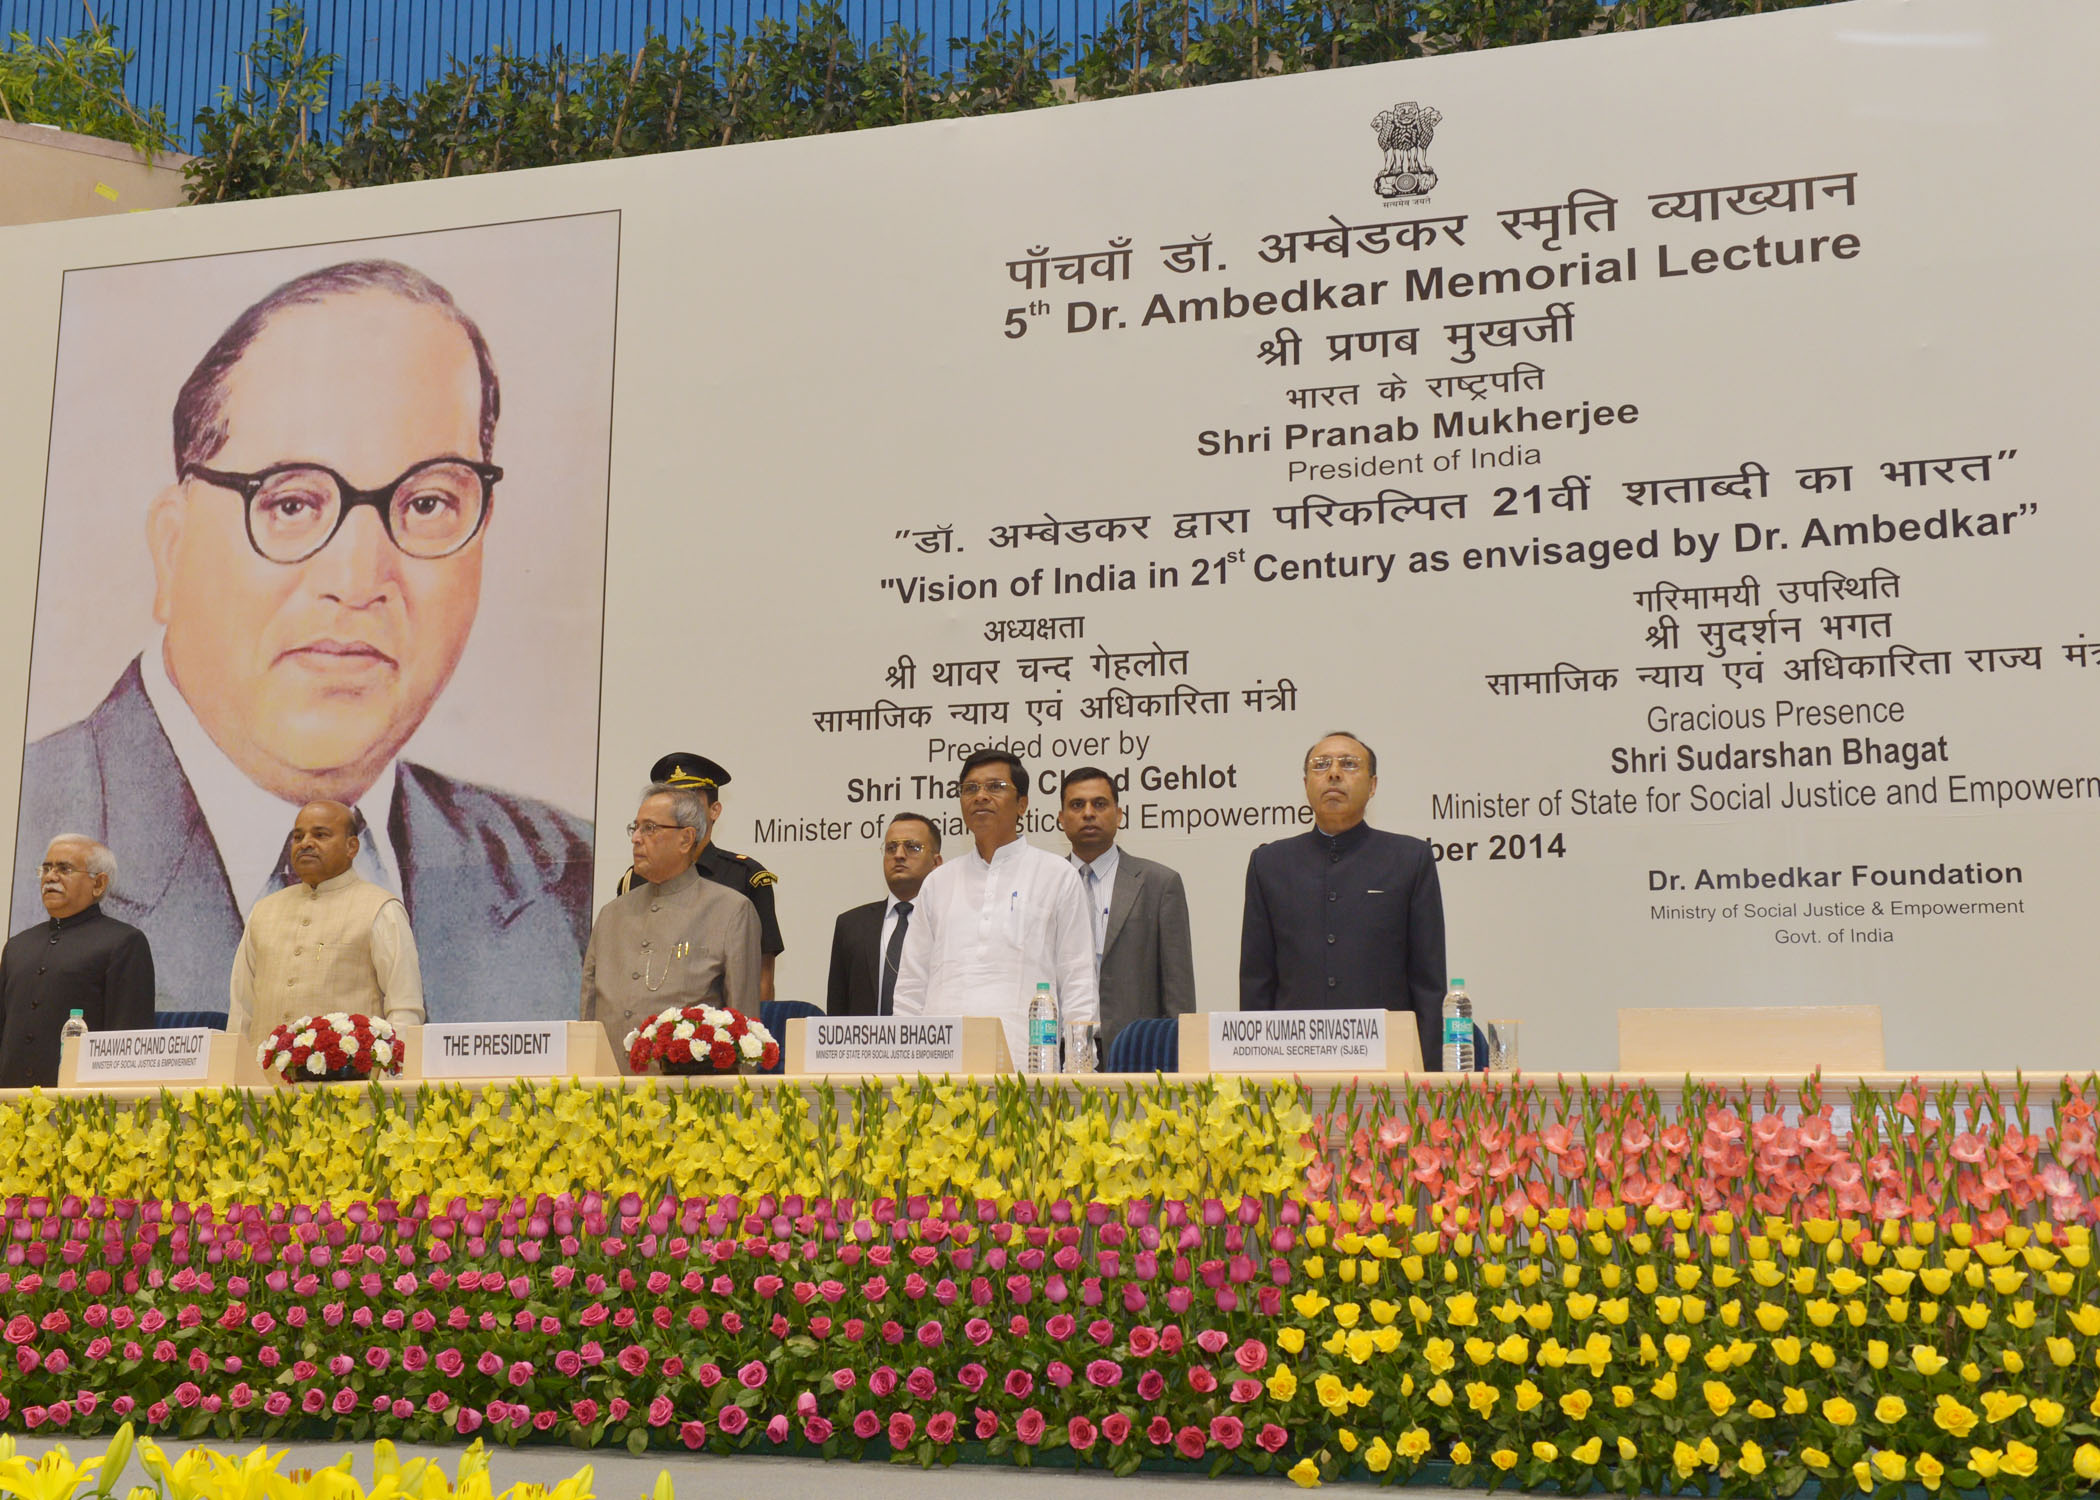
160	1056
496	1049
882	1044
1297	1041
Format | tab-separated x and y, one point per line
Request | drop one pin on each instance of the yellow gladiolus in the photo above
1839	1412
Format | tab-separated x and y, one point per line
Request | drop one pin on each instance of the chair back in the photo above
774	1015
1149	1045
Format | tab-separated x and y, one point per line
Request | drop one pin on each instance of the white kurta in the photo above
984	934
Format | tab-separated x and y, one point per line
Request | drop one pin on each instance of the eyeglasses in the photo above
59	868
1348	765
987	788
913	847
294	510
650	830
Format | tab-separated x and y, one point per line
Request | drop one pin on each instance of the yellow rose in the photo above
1926	1360
1878	1353
2046	1413
1291	1340
1480	1351
2061	1351
1929	1471
2019	1459
1794	1401
1461	1454
1283	1384
1890	1410
1438	1354
1575	1404
1998	1405
1985	1462
2087	1320
1863	1476
1771	1317
1685	1457
1378	1457
1665	1389
1482	1397
1414	1443
1515	1349
1839	1412
1309	1304
1678	1347
1816	1459
1752	1460
1504	1459
1346	1314
1589	1452
1331	1393
1891	1466
1315	1267
1347	1439
1628	1450
1718	1397
1951	1417
1622	1396
1463	1310
1440	1393
2086	1461
1544	1452
1359	1344
1787	1350
1305	1474
1762	1410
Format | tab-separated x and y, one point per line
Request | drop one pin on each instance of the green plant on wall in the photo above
77	83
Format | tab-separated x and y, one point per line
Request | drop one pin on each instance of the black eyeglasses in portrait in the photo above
294	510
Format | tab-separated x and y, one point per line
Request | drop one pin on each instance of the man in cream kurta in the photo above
674	938
999	919
332	942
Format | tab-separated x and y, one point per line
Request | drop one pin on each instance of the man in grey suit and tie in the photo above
1141	913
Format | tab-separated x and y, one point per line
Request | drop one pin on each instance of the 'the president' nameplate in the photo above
883	1044
1297	1041
496	1049
144	1056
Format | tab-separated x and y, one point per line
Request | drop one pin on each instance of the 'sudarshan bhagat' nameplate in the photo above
492	1049
883	1044
170	1056
1297	1041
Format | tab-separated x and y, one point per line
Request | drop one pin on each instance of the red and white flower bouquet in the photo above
336	1048
701	1039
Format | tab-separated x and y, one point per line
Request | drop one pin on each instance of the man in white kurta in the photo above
331	942
999	919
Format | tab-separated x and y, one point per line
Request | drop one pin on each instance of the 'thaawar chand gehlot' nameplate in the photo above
1297	1041
882	1044
496	1049
172	1056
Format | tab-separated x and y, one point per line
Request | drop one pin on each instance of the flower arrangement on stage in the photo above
340	1047
701	1039
1217	1283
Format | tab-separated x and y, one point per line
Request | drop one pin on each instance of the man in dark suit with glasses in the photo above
317	570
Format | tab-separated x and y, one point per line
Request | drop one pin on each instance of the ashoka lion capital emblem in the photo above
1404	133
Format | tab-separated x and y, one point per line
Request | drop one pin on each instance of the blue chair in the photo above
1150	1045
178	1020
774	1015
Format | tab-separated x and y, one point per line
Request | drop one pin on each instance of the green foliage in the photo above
77	84
813	76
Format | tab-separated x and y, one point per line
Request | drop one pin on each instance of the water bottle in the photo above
76	1025
1042	1031
1458	1029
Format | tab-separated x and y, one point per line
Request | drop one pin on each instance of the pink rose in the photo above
403	1409
276	1404
973	1376
585	1412
1190	1442
1211	1340
187	1395
777	1429
1226	1430
378	1359
1028	1427
816	1432
313	1400
468	1419
157	1413
1202	1380
1115	1427
616	1410
752	1375
567	1363
450	1363
1271	1438
1245	1390
490	1363
1144	1340
940	1427
660	1411
436	1401
1151	1385
1104	1372
634	1359
866	1424
843	1379
33	1417
1018	1384
543	1421
1080	1433
920	1383
978	1332
902	1427
882	1382
732	1420
987	1424
931	1335
345	1402
1160	1431
1058	1374
709	1375
692	1434
61	1412
1060	1326
1251	1356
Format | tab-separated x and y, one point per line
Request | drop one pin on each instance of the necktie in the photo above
1098	916
894	952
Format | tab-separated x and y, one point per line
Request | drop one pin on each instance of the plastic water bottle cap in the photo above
78	1013
1458	984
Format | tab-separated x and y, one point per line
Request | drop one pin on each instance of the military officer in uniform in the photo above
740	872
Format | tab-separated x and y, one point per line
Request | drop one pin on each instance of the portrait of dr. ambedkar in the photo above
336	482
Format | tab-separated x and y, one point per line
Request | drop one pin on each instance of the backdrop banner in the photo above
1643	443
